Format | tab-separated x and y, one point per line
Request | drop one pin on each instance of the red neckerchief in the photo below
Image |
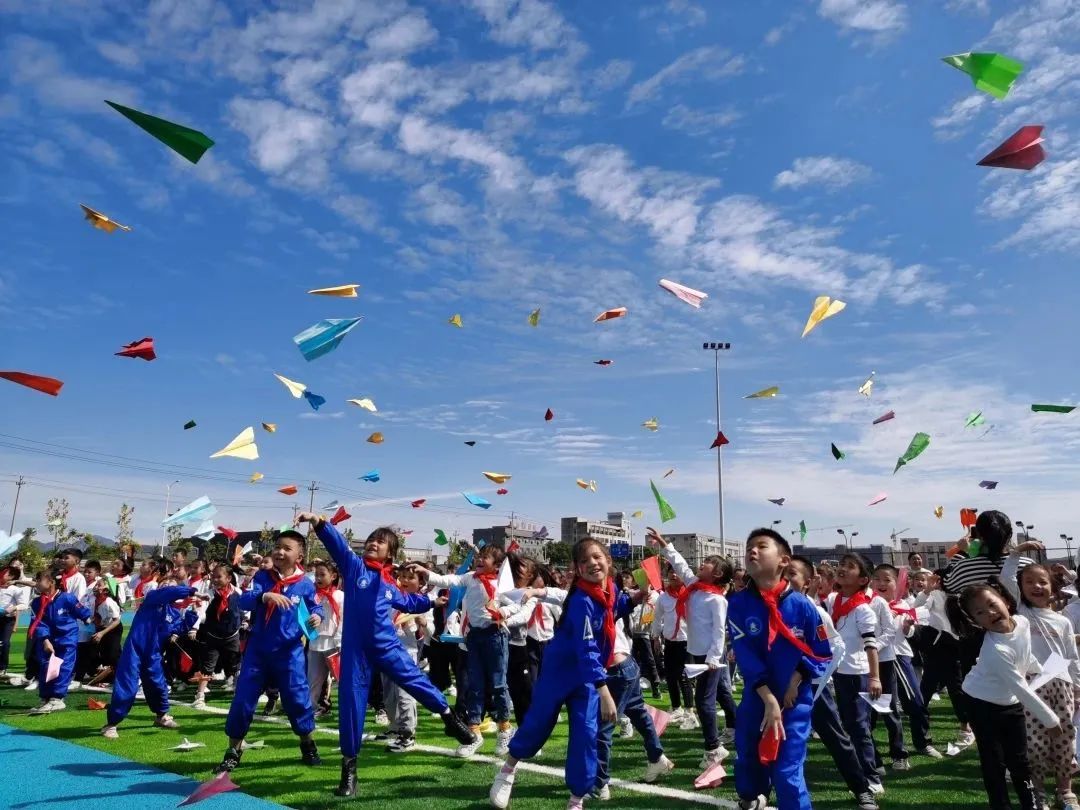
328	597
99	598
488	579
65	577
900	608
683	599
840	608
140	589
605	597
537	617
280	585
777	625
3	577
45	602
193	581
385	570
677	594
223	600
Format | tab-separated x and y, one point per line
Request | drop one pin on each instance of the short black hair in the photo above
773	535
913	554
892	569
73	551
292	534
92	564
806	563
865	571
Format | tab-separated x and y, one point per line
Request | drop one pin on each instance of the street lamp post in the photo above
716	348
165	529
847	542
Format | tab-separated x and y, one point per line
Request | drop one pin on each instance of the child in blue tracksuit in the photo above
781	646
54	630
274	656
141	660
573	673
370	646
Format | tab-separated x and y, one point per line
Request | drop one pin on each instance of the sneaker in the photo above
140	695
454	726
466	750
75	686
756	803
690	722
866	801
41	708
931	752
383	737
656	691
230	684
502	741
627	728
309	753
654	770
487	726
16	680
1068	801
877	788
718	754
381	719
229	761
200	703
499	795
451	691
602	794
901	764
271	706
575	803
677	715
110	733
402	744
165	721
321	712
31	685
965	739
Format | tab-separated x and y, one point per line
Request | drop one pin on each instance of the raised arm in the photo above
336	544
163	596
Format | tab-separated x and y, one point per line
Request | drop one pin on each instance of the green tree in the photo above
558	553
92	549
458	551
266	540
177	541
124	519
216	548
56	519
315	548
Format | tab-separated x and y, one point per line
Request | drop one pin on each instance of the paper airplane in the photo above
96	705
229	534
187	142
974	419
837	453
269	427
46	385
288	489
669	472
992	73
824	307
502	491
340	516
303	616
951	750
375	438
693	670
497	478
418	503
372	476
764	393
219	784
205	530
297	389
881	496
638	514
777	501
1021	150
719	441
549	415
919	443
8	542
343	291
364	403
255	477
325	336
440	538
1053	408
142	349
581	482
186	745
198	510
455	320
988	484
711	777
885	417
882	704
939	512
100	221
651	424
189	424
476	500
867	388
690	296
314	400
610	314
602	362
666	512
659	717
52	670
243	446
470	444
534	317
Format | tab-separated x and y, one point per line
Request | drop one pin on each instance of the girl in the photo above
825	582
703	607
219	634
998	692
941	654
55	632
1051	633
669	627
541	624
574	674
328	642
641	620
107	639
519	678
854	619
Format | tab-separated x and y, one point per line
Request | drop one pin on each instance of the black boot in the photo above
456	728
347	786
656	691
309	753
229	761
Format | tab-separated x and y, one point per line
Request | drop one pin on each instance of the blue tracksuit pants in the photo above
825	721
283	669
855	716
785	776
898	678
133	667
624	683
58	686
583	705
357	672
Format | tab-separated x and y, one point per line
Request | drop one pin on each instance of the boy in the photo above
219	634
121	572
55	631
400	705
85	658
781	646
108	636
275	650
71	581
141	660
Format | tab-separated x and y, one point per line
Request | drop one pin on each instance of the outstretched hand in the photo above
278	600
655	538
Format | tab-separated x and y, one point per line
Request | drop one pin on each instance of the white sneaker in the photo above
17	680
877	788
965	739
575	803
199	702
627	728
381	718
602	795
165	721
466	750
451	691
501	788
718	754
74	686
931	752
31	685
49	706
502	742
230	684
140	695
110	733
654	770
690	722
678	715
41	708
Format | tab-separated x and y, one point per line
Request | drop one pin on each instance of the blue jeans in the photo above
709	685
486	657
624	684
825	721
855	717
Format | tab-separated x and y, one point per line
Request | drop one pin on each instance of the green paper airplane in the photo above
802	531
919	442
440	538
187	142
974	419
991	72
1053	408
837	453
666	512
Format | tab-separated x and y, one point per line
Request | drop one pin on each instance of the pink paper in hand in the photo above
659	717
219	784
53	670
711	777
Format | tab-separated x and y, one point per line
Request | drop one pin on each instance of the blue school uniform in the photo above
59	624
748	627
274	656
369	644
140	661
573	670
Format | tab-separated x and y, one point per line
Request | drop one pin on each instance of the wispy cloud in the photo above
708	62
865	16
826	172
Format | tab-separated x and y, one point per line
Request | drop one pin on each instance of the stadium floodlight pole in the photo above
847	540
165	529
716	348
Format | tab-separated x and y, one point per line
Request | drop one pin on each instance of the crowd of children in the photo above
826	650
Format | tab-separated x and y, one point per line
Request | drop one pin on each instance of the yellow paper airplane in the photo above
651	424
497	478
255	477
455	321
295	388
364	403
939	512
243	446
638	514
764	393
375	438
100	221
824	307
581	482
534	317
269	427
867	387
344	291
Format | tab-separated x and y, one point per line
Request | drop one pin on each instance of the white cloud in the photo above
709	63
406	34
976	6
613	74
1048	202
823	171
372	93
699	122
40	67
286	140
525	22
420	136
963	112
865	16
123	55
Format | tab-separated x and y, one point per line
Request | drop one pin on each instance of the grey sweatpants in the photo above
400	705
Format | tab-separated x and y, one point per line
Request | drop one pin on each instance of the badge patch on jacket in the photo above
822	633
588	631
753	626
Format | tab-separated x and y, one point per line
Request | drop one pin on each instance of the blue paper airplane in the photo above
324	337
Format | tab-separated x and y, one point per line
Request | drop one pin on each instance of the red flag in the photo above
334	662
143	349
46	385
719	441
1021	150
289	490
968	517
651	567
418	503
186	662
514	546
219	784
229	533
339	516
549	415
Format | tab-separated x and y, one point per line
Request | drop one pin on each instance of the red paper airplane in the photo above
229	533
339	516
719	441
501	491
95	705
885	417
46	385
219	784
549	415
1021	150
334	662
289	490
143	349
602	362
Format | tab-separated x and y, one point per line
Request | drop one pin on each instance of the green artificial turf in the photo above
421	781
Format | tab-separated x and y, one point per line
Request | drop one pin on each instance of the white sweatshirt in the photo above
1051	632
666	619
706	614
541	621
859	631
474	604
329	637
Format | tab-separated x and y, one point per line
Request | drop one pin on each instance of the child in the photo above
998	693
704	609
219	634
412	628
541	624
575	675
141	662
121	572
850	610
275	650
642	618
71	581
519	680
328	642
147	579
670	627
1050	753
372	642
486	649
14	599
941	654
55	632
782	647
109	632
86	655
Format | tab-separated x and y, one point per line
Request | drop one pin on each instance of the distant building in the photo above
933	554
696	547
616	529
504	536
876	553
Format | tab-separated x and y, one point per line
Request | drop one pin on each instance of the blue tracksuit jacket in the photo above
370	641
59	625
748	631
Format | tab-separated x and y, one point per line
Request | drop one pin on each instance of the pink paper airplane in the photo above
1021	150
885	417
711	777
53	670
219	784
878	499
660	719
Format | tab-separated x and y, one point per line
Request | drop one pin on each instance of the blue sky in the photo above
491	156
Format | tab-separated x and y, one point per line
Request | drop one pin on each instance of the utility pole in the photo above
311	503
15	509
